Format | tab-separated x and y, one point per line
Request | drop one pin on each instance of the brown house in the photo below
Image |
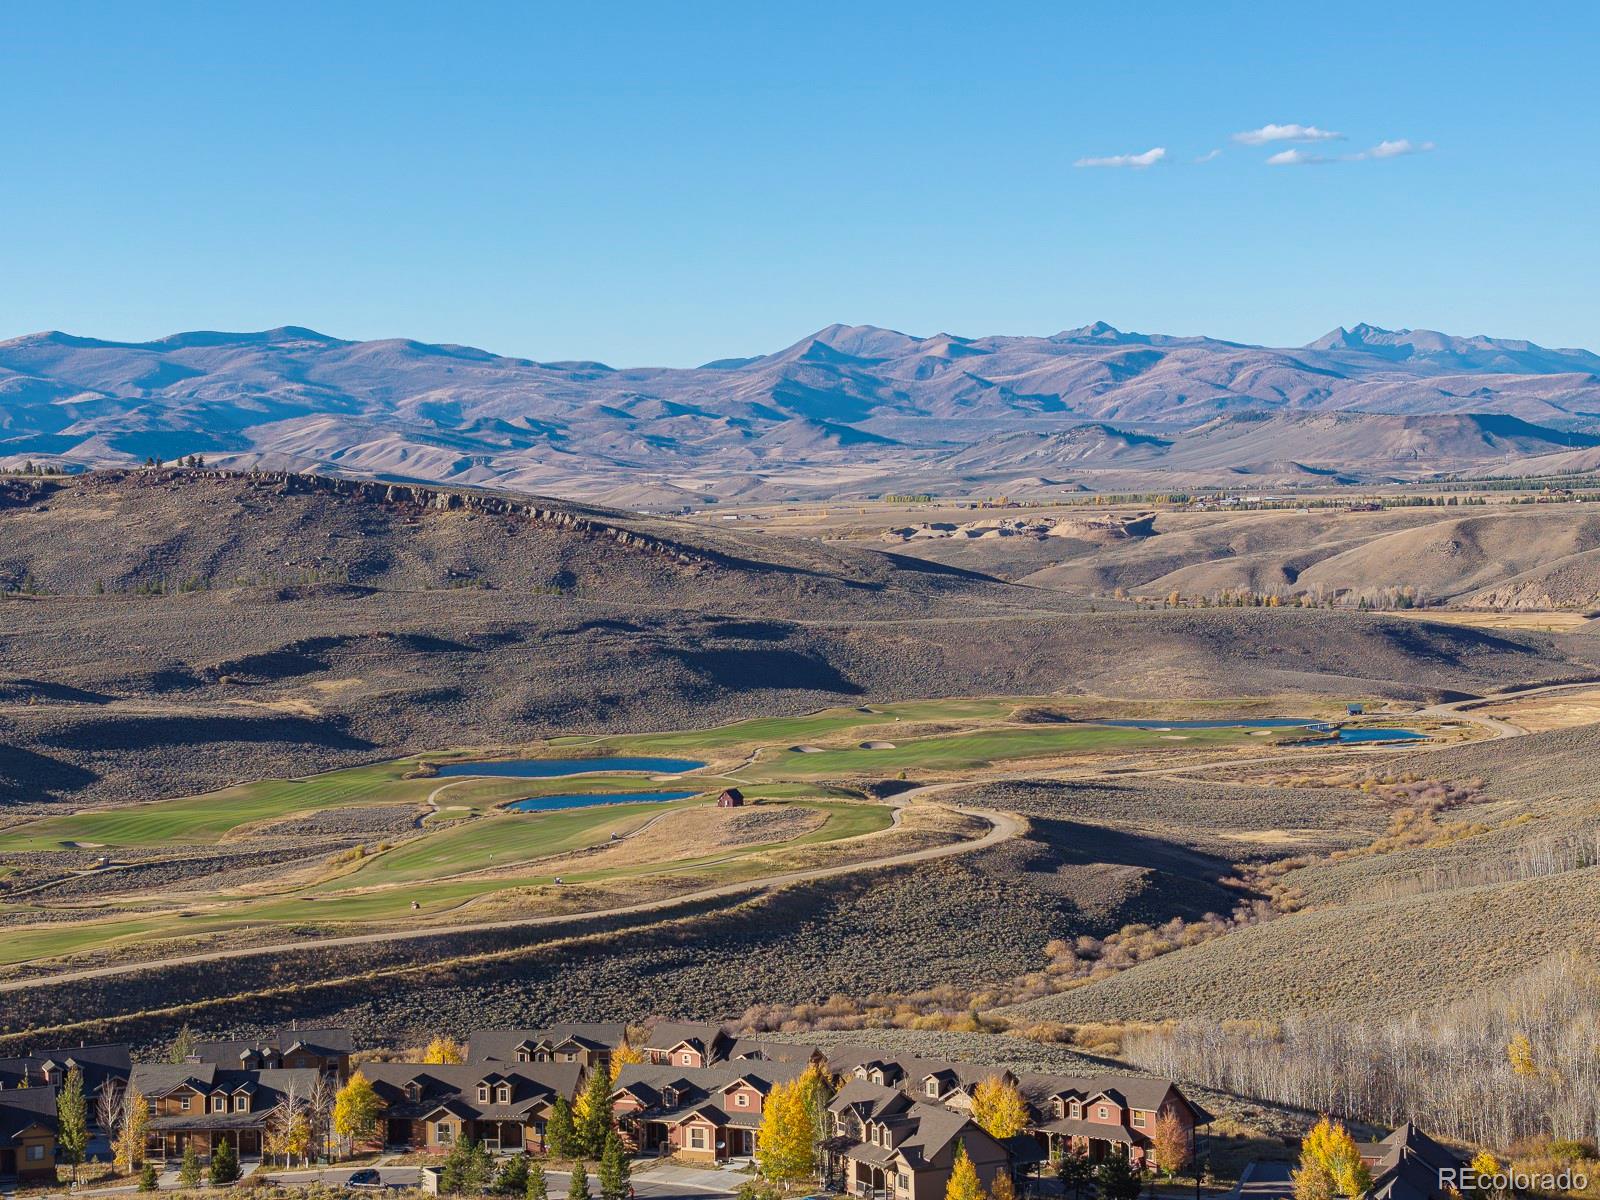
732	798
504	1107
586	1042
290	1048
885	1145
28	1134
203	1105
101	1066
700	1114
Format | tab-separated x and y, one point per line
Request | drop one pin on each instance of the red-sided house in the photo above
700	1114
686	1045
885	1145
505	1107
1103	1114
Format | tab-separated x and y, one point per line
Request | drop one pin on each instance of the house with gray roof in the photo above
884	1144
505	1107
28	1134
586	1042
289	1048
202	1105
701	1114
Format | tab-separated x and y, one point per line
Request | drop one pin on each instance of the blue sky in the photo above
671	183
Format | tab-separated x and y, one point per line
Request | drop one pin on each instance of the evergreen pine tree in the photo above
594	1115
614	1169
224	1165
512	1177
538	1189
578	1189
148	1180
559	1135
189	1172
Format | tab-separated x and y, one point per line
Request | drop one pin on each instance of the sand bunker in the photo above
877	745
806	749
1175	737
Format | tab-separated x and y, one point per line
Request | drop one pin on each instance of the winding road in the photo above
1002	827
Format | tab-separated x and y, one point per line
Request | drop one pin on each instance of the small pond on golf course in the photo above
590	799
551	768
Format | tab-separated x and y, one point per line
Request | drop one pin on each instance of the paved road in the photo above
1002	827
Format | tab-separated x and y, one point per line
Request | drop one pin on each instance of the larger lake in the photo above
550	768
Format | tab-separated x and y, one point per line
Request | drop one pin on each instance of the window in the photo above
742	1099
444	1133
35	1153
183	1103
1101	1112
483	1091
697	1137
933	1087
1138	1120
503	1095
219	1104
903	1181
522	1056
688	1059
241	1104
1077	1109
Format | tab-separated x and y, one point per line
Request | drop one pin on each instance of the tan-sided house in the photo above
586	1042
504	1107
290	1048
101	1067
203	1105
700	1114
28	1134
886	1145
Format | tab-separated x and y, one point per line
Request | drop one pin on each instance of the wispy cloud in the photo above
1286	133
1138	161
1208	156
1396	149
1297	158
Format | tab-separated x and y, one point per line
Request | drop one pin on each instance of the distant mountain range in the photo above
849	410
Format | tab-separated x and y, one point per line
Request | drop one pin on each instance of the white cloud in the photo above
1286	133
1148	159
1208	156
1396	148
1295	158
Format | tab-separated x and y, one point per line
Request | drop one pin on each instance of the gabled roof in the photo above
706	1037
98	1063
325	1042
22	1109
487	1045
920	1131
266	1087
534	1086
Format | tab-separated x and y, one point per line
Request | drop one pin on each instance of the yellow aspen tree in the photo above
623	1056
963	1183
998	1108
444	1051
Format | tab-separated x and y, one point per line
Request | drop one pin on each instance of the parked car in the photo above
366	1179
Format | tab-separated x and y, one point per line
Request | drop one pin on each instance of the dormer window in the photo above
413	1090
522	1056
669	1096
1077	1109
1101	1112
933	1087
219	1104
183	1102
483	1092
742	1099
687	1059
241	1104
502	1094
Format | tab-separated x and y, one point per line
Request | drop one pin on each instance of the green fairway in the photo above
960	751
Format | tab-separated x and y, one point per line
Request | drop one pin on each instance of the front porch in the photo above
169	1145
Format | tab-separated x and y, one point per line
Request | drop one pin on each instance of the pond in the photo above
590	799
551	768
1371	734
1237	723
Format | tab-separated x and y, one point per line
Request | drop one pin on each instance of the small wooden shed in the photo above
732	798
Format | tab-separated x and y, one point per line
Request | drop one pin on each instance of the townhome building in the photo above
504	1107
1100	1115
586	1042
292	1047
1410	1165
884	1144
701	1114
28	1134
102	1067
202	1105
686	1044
